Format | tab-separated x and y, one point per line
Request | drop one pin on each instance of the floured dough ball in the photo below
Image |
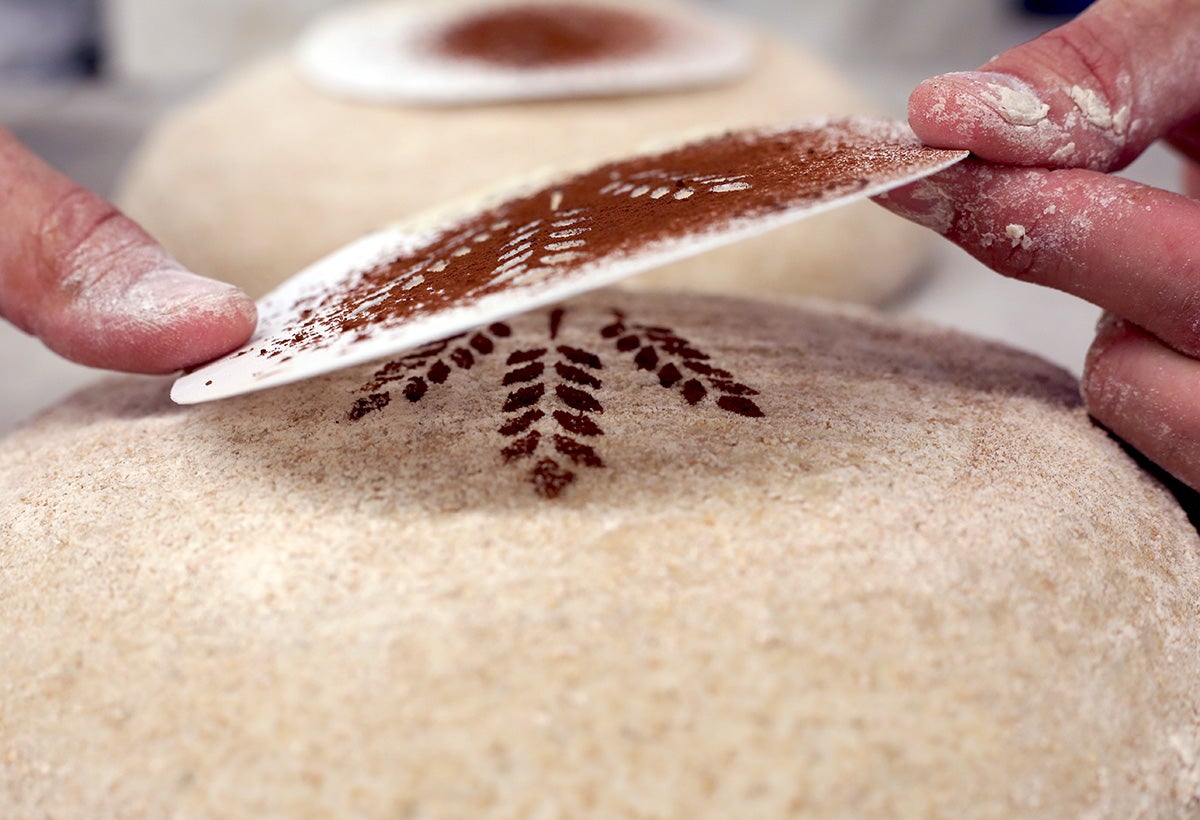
267	171
638	555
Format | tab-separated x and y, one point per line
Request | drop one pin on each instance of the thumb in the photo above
1092	93
94	287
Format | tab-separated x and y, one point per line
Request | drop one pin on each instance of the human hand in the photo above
94	287
1046	121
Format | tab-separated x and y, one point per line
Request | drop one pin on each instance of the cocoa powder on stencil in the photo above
603	214
534	35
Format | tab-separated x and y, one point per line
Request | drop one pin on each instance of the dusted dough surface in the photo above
263	174
917	582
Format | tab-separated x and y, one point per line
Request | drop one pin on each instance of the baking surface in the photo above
89	130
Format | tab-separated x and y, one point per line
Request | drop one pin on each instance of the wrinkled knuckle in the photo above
1103	393
1093	60
70	238
1021	264
1011	253
1091	55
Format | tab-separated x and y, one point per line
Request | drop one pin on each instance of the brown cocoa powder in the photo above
535	35
518	425
607	213
573	430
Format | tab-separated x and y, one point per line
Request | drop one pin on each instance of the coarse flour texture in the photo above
636	555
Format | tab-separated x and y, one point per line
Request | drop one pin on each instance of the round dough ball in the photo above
264	174
641	555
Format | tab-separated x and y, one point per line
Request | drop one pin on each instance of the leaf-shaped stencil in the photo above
397	289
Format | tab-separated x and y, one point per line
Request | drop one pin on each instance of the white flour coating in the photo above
172	291
988	208
119	307
120	282
1063	154
1120	120
935	207
1004	108
1013	99
1018	235
1059	228
1082	129
1080	225
115	250
1113	398
1093	107
1096	111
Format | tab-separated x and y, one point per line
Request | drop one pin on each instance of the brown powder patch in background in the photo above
534	35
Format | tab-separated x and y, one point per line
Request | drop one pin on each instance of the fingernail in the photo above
1013	99
1110	328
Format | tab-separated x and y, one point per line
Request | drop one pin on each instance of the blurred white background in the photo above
156	52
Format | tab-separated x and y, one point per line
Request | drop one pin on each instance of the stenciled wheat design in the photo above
572	372
679	363
417	373
552	409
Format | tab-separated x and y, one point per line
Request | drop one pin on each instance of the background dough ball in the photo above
264	174
640	554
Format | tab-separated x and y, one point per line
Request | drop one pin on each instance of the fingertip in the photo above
925	110
942	114
161	322
202	328
1145	392
1191	180
998	117
924	202
1104	378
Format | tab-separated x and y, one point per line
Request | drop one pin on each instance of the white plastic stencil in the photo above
458	54
397	289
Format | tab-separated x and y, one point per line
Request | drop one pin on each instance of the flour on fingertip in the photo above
1013	99
1019	237
1063	155
1096	111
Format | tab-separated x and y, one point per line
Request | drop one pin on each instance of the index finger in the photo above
1090	94
1124	246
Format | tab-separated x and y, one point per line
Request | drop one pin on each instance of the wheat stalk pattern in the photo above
417	373
679	363
565	379
552	411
